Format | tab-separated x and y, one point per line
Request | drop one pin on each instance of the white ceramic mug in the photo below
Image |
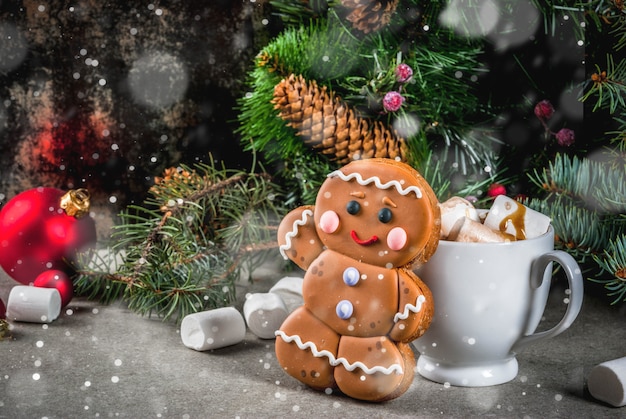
489	299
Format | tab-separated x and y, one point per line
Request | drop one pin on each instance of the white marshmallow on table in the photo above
470	231
290	284
516	219
33	304
213	329
289	289
607	382
264	313
453	210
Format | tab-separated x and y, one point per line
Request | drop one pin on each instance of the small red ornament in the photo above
5	330
496	189
3	310
41	229
59	280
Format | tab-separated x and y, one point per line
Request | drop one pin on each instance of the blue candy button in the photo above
351	276
344	309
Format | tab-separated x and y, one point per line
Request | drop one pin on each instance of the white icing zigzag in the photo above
376	180
410	307
337	361
294	232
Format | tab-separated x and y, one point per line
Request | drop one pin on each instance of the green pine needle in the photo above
613	262
586	201
440	110
608	86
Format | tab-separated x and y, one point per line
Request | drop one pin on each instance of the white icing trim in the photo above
338	361
376	180
294	231
410	307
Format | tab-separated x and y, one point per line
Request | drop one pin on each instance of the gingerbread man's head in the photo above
378	211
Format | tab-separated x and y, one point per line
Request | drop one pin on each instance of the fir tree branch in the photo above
184	249
609	86
579	231
438	110
613	262
586	201
298	12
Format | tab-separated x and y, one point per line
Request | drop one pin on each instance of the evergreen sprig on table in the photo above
185	248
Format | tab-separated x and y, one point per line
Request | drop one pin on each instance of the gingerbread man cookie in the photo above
363	305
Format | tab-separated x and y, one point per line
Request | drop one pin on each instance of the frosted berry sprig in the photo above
544	110
404	73
393	100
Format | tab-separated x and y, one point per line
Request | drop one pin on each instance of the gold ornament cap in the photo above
5	329
75	202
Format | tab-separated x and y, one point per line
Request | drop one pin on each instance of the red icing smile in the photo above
367	242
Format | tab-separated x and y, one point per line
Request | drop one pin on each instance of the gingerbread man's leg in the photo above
374	368
307	348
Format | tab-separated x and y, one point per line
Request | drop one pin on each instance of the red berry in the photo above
392	101
496	189
404	73
565	137
544	110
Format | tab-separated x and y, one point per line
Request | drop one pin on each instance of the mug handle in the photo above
575	280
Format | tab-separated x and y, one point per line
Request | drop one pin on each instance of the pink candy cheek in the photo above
329	222
397	238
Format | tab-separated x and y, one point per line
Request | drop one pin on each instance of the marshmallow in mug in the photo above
453	211
516	219
470	231
506	220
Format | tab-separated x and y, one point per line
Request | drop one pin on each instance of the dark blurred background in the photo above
105	95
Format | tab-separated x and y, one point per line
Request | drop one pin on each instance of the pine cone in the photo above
369	15
329	124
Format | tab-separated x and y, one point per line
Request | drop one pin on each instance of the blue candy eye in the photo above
384	215
353	207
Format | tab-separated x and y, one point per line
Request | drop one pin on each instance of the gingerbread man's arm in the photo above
297	237
415	308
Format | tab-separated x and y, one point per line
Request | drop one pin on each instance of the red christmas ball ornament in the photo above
496	189
59	280
5	330
42	229
3	310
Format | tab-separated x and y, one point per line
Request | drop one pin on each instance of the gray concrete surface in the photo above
100	361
